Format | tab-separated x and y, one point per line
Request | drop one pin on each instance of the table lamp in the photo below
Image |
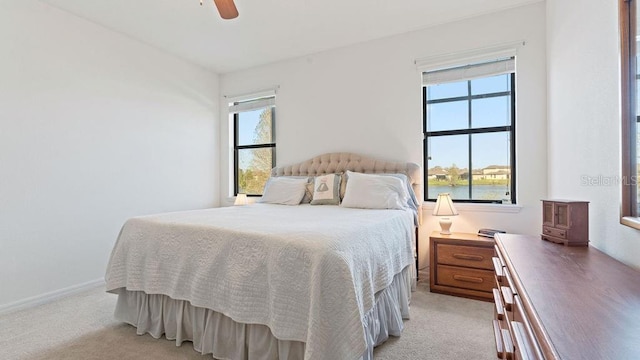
241	199
444	207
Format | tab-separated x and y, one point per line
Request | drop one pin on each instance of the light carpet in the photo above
82	327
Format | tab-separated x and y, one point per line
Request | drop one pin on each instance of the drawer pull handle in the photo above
468	279
469	257
499	306
507	344
507	296
497	267
497	334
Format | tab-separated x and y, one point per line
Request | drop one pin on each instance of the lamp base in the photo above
445	225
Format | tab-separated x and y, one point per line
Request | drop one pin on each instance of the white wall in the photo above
584	111
366	98
94	128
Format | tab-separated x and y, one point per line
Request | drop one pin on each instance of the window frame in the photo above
628	113
469	131
237	148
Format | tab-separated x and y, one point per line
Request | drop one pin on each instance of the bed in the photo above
270	281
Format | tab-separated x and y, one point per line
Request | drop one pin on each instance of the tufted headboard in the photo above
341	161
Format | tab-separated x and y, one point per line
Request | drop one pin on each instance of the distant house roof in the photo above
436	171
498	167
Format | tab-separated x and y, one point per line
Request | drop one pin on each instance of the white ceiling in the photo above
269	30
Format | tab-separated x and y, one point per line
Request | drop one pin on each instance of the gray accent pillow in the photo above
326	190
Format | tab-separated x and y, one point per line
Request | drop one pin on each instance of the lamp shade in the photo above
241	199
444	206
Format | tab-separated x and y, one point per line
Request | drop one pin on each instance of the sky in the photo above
246	131
487	149
248	123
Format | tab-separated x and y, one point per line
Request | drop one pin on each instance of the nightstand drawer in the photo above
465	278
559	233
469	256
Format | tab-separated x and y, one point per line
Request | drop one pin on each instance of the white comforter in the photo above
308	272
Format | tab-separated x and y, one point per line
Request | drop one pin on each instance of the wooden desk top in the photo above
585	303
463	236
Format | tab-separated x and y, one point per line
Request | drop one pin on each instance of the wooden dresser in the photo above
560	302
461	265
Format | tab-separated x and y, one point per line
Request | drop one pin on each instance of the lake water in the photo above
480	192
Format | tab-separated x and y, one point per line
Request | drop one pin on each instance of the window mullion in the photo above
256	146
236	154
473	97
470	131
425	143
512	145
469	164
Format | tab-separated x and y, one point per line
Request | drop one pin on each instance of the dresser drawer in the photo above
475	279
468	256
525	341
525	348
559	233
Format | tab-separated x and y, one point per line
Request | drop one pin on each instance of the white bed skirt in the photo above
213	333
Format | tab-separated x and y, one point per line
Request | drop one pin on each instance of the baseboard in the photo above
49	297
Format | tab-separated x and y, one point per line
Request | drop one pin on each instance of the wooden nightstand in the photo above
461	265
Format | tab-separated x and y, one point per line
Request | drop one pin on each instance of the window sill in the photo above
498	208
630	221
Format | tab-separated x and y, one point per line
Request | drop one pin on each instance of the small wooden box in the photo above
565	222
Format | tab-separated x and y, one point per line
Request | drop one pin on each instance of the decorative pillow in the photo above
369	191
343	186
326	190
284	190
308	193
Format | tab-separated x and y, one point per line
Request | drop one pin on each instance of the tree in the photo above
242	181
262	135
453	174
253	179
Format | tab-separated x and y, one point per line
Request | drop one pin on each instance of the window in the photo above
469	132
630	88
254	143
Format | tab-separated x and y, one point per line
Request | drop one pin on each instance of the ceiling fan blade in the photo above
227	9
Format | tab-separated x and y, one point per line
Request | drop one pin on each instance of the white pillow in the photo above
308	194
369	191
286	191
412	200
